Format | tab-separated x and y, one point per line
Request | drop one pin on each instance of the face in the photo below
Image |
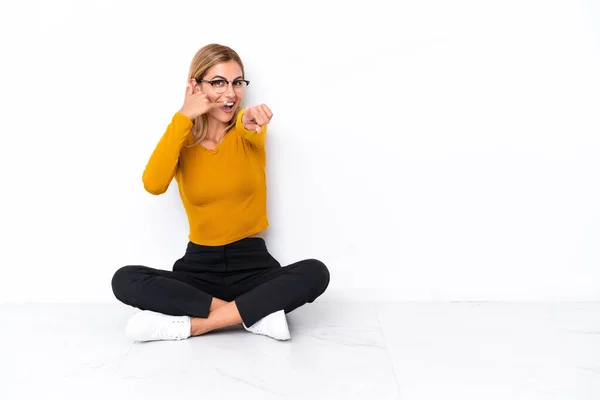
233	94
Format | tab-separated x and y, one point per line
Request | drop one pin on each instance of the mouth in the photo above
228	106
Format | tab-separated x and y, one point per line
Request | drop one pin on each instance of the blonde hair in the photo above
204	59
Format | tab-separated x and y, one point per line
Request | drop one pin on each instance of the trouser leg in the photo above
167	292
284	288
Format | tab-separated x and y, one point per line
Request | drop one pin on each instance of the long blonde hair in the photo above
203	60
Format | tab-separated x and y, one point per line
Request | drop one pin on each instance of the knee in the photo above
122	279
319	273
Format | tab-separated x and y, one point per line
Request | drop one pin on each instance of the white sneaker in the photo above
149	325
273	325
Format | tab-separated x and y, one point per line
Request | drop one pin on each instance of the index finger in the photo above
217	104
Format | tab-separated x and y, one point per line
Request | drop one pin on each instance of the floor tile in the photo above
58	351
494	351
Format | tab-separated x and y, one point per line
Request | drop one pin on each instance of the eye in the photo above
238	83
219	83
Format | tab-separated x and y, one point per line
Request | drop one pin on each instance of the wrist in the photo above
240	119
186	114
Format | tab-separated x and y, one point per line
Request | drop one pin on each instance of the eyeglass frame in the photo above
198	80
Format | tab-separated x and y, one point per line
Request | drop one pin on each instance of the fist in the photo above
256	117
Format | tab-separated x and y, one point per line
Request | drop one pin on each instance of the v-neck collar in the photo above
217	147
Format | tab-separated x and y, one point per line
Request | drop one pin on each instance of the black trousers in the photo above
243	271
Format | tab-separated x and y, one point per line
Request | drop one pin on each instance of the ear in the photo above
195	86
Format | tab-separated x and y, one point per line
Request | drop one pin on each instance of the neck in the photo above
215	129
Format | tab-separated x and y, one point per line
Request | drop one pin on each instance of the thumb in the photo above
188	90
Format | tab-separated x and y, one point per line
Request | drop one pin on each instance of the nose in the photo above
229	92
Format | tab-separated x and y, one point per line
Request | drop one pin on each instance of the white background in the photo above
424	150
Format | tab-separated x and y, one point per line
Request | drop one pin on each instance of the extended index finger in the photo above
217	104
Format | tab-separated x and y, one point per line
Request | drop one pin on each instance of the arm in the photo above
164	160
254	137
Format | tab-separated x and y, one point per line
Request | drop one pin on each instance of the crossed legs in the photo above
221	314
175	293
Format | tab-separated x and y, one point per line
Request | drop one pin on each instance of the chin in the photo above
222	116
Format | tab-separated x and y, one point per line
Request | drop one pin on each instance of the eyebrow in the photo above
222	77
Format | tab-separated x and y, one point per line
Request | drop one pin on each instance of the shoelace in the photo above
170	330
259	327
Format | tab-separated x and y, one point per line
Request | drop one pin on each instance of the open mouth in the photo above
228	106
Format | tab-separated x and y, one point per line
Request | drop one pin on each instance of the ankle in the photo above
199	326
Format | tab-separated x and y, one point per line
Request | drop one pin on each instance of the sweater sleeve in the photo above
165	158
254	137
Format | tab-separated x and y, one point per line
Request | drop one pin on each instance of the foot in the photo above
149	325
273	325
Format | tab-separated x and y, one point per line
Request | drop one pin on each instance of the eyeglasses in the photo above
221	85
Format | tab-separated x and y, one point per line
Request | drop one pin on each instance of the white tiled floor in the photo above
409	351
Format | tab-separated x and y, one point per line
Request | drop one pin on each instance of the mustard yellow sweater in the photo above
223	190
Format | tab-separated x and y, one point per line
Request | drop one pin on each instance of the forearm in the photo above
162	165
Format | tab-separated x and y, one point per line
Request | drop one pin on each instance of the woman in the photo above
215	150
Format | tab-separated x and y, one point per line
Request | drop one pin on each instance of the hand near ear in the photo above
196	104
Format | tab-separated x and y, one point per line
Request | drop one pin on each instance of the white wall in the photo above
426	150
